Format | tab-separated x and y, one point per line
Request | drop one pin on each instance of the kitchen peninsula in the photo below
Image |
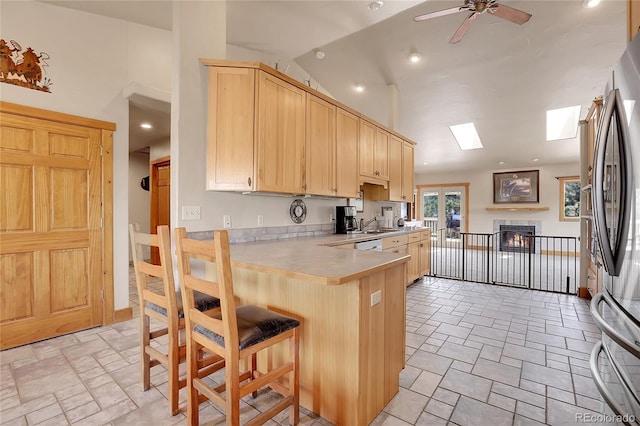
352	307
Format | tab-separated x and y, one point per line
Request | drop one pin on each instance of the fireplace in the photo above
514	238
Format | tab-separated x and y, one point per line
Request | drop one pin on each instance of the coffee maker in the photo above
346	219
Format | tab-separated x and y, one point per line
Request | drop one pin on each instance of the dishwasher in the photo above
373	245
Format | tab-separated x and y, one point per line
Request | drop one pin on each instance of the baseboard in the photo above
123	314
583	292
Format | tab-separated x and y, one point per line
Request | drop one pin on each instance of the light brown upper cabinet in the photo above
280	136
633	11
230	129
407	171
268	132
374	153
254	146
400	170
320	149
347	154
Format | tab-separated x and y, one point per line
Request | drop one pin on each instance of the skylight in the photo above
466	136
562	123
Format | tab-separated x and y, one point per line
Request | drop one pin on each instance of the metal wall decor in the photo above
23	68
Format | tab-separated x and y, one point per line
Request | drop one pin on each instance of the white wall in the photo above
160	149
94	58
138	197
481	197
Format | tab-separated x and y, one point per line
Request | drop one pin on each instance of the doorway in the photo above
444	206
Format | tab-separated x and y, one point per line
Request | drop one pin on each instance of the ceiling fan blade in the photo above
463	28
510	14
440	13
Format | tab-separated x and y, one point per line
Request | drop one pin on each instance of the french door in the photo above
444	207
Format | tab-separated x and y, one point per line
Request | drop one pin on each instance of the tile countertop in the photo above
314	259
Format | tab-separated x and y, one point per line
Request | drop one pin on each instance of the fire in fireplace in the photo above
514	238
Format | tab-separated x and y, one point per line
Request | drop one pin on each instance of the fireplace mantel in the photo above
518	208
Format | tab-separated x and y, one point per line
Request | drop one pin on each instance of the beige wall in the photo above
481	197
138	197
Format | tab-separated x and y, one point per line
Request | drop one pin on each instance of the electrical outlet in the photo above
190	212
260	220
376	297
226	221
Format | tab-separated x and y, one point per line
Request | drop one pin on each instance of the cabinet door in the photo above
367	148
395	169
230	132
413	249
280	137
407	171
347	154
320	150
425	257
381	157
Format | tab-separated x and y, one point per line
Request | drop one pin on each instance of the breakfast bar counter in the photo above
352	308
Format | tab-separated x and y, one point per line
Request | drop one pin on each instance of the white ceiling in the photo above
502	76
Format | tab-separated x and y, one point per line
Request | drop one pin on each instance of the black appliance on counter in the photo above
346	220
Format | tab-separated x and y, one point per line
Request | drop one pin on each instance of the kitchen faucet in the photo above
364	224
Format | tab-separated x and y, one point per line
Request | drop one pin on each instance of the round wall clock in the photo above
298	211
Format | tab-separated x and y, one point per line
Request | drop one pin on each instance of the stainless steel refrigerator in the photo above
615	360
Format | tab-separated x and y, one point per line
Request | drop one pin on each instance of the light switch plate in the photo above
190	212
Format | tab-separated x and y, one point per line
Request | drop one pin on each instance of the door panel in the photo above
50	229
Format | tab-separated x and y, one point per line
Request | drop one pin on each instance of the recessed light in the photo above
415	57
501	162
376	5
535	159
590	3
359	87
319	54
146	125
425	163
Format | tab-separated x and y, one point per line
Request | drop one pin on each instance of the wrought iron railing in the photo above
547	263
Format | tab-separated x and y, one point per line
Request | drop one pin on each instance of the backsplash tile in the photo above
247	235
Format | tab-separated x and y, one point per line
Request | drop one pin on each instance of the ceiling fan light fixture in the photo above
376	5
359	87
590	3
415	57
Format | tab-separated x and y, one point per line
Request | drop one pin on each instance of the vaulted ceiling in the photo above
501	76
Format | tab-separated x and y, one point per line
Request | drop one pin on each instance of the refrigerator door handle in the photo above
602	387
631	347
614	113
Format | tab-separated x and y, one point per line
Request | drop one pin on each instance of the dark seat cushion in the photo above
203	302
255	325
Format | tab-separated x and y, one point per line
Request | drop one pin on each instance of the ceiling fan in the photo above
478	7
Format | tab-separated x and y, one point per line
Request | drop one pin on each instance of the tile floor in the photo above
476	355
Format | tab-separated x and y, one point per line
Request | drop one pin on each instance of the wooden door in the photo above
407	171
280	138
381	157
160	202
51	250
320	149
367	149
395	169
230	135
347	155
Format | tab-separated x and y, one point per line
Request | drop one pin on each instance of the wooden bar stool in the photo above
166	307
235	333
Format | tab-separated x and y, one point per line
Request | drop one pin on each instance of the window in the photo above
569	198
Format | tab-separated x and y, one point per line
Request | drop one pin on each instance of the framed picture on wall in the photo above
569	198
516	187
